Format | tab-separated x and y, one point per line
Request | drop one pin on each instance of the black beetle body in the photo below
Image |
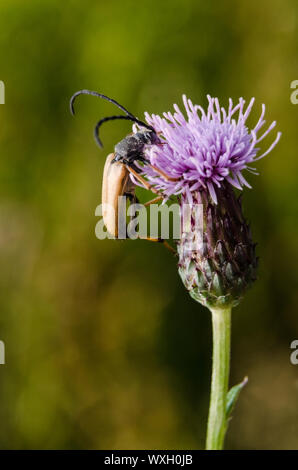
131	148
121	164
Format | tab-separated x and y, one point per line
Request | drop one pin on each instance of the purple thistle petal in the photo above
204	149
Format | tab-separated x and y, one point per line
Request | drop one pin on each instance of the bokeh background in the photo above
104	348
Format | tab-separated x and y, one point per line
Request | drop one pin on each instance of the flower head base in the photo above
204	150
220	264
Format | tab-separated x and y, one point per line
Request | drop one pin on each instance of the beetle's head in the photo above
149	136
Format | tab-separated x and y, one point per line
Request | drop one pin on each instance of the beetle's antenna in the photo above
112	118
99	95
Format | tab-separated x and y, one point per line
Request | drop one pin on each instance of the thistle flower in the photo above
205	154
205	149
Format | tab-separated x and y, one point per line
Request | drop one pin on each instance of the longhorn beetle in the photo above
120	164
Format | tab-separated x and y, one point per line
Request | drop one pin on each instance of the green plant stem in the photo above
217	419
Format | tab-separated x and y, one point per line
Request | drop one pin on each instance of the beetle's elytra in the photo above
116	182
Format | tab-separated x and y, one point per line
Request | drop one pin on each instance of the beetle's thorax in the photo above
132	146
129	146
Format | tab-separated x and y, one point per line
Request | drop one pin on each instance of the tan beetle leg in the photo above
163	174
160	240
145	183
156	199
142	180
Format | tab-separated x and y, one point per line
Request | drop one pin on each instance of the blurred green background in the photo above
104	348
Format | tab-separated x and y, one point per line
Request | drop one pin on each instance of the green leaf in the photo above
233	395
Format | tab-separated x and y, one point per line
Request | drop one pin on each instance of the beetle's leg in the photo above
131	197
142	180
133	200
157	170
156	199
160	240
169	247
142	159
163	174
132	158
